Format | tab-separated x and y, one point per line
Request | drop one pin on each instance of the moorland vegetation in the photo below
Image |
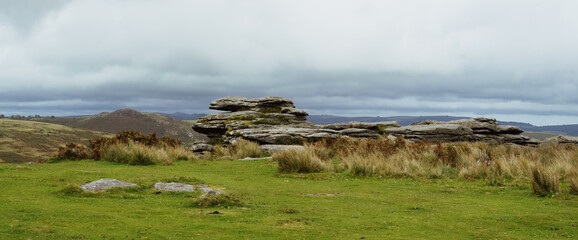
334	189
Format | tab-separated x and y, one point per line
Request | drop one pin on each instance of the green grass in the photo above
38	202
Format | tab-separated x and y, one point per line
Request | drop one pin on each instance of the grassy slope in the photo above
348	208
24	141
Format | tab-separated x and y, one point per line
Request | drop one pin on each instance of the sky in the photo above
513	60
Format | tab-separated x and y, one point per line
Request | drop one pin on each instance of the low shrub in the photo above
544	182
72	151
299	161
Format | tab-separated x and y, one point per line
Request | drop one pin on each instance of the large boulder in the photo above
362	125
475	129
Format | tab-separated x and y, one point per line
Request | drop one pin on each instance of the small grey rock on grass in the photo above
104	184
174	187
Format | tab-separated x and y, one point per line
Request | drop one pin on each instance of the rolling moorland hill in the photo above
130	119
27	141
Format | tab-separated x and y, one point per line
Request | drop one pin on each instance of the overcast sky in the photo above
512	60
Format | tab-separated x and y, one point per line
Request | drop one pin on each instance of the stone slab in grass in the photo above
104	184
174	187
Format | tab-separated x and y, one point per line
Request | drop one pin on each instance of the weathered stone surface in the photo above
202	147
294	111
560	139
208	191
283	134
273	148
174	187
104	184
359	133
240	103
476	129
255	159
362	125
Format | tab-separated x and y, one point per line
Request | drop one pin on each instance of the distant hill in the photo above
130	119
184	116
571	129
27	141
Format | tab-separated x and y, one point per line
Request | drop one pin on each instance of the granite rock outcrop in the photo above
474	129
274	120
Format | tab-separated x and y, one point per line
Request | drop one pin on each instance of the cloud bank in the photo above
513	60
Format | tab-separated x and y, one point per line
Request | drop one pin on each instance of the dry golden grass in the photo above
496	162
573	181
244	148
300	161
544	182
139	154
240	149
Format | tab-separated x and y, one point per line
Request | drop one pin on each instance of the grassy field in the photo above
27	141
326	205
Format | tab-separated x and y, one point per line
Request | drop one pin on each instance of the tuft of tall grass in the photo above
300	161
244	148
544	182
136	154
239	149
573	181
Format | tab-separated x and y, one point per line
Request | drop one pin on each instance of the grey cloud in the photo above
354	57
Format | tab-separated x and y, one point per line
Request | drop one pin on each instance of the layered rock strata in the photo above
274	120
475	129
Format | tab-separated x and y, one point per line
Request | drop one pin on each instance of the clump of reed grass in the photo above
573	181
136	154
300	161
240	149
544	182
244	148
